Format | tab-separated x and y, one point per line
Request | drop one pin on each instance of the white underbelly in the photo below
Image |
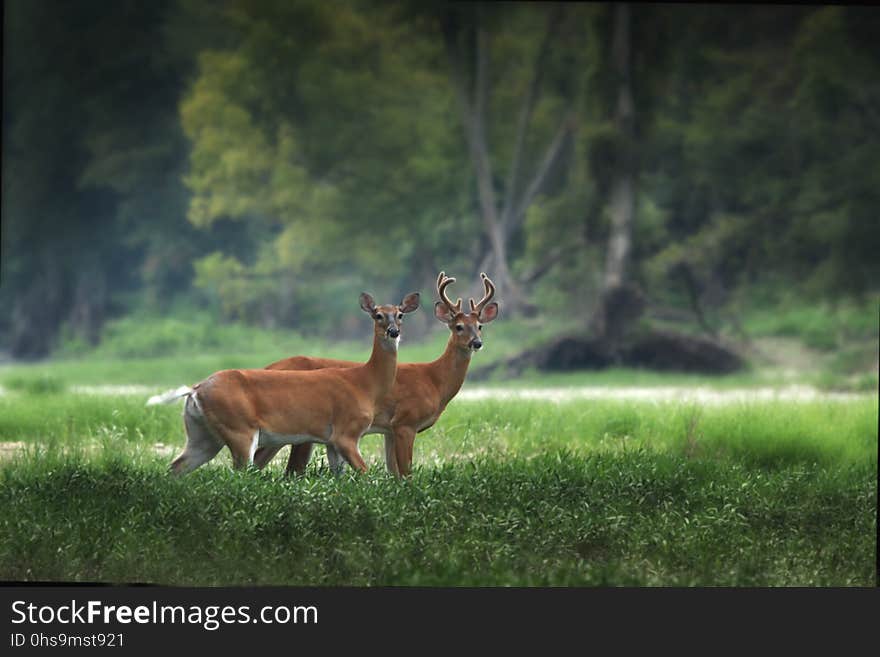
269	439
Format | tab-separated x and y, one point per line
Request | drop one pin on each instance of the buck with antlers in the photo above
421	391
246	409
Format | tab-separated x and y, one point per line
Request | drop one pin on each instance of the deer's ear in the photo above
367	303
442	312
410	303
489	312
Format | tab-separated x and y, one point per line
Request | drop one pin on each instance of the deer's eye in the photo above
378	315
459	328
479	327
399	315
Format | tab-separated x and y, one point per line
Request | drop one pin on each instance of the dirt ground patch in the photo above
10	449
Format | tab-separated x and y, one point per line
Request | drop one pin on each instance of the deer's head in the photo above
387	319
466	327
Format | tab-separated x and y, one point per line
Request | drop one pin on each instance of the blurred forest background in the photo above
709	169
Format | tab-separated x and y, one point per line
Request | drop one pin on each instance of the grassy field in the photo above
504	493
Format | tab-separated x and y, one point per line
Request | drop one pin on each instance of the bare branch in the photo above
550	156
552	258
479	147
473	120
525	115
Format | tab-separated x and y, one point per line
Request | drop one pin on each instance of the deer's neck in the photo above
450	370
382	366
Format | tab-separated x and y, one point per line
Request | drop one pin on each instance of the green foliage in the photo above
223	278
855	359
188	345
296	149
93	202
151	350
771	139
821	325
267	161
237	170
151	337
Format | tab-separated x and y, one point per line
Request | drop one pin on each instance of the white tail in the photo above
170	396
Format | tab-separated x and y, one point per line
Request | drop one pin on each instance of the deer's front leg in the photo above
334	460
347	447
265	454
403	437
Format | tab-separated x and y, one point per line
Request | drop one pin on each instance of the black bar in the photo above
355	617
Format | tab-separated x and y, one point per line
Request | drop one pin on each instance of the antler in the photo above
487	297
444	281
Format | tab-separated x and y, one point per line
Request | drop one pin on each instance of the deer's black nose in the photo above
393	331
477	344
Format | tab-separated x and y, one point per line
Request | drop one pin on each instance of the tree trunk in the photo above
485	185
87	313
36	314
622	198
613	340
420	324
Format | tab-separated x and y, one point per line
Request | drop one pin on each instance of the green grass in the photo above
612	519
36	384
59	375
146	338
173	371
757	432
504	493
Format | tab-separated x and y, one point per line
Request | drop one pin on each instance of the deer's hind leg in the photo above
201	444
391	454
299	458
242	445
